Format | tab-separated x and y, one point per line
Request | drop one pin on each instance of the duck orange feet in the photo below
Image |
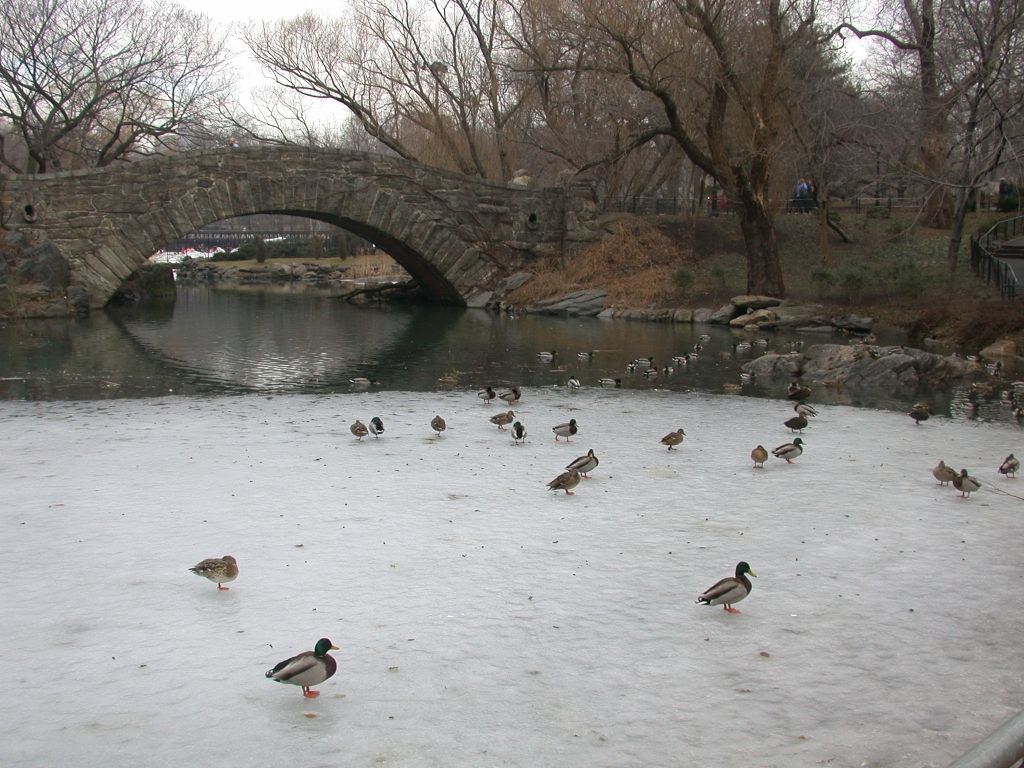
310	694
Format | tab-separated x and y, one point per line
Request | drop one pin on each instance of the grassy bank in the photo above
891	271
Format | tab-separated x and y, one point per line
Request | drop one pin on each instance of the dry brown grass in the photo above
635	265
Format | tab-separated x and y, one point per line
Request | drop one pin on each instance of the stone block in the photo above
1001	348
757	317
682	315
723	315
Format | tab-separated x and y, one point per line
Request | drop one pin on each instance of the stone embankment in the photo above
749	312
898	370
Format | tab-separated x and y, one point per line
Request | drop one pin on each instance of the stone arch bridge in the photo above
458	236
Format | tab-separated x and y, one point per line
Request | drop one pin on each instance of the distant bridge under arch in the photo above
458	236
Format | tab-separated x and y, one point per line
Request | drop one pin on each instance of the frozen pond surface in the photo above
484	621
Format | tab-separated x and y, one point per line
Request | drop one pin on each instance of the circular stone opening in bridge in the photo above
29	212
532	221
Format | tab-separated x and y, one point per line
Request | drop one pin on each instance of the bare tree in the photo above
429	81
87	82
719	71
942	44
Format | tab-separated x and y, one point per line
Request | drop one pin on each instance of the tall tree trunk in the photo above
764	272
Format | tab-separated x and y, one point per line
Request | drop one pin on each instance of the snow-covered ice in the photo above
483	620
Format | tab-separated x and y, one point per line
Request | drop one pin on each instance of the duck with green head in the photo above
729	590
308	668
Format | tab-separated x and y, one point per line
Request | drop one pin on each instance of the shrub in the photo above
682	278
823	279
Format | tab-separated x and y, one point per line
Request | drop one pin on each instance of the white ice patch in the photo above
481	619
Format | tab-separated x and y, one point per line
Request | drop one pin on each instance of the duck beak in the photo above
335	648
751	573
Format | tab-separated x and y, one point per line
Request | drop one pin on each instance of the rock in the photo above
853	323
702	315
897	370
723	315
824	360
773	365
816	329
797	315
755	302
478	299
579	303
44	265
513	281
1001	348
682	316
757	317
607	314
78	297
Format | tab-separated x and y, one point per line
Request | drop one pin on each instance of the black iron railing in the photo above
985	260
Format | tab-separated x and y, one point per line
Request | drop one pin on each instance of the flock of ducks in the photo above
310	668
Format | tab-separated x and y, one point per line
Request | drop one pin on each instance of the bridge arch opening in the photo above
234	231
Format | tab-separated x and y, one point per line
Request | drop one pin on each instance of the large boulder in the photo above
775	366
724	315
898	370
585	303
1001	348
755	318
797	316
855	323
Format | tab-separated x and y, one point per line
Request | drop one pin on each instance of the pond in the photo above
231	342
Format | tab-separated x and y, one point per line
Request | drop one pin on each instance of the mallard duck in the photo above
359	429
307	668
704	337
219	570
796	346
759	456
486	395
698	347
565	482
741	347
512	396
789	451
501	419
518	433
651	373
437	424
805	410
547	356
376	426
920	412
798	391
1010	466
610	382
584	464
672	439
566	430
574	383
585	355
362	381
729	590
943	474
732	387
762	341
965	483
643	362
796	423
747	377
680	360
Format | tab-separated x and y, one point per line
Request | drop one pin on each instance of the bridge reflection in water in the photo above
218	341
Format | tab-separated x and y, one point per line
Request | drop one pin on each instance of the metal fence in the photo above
984	259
